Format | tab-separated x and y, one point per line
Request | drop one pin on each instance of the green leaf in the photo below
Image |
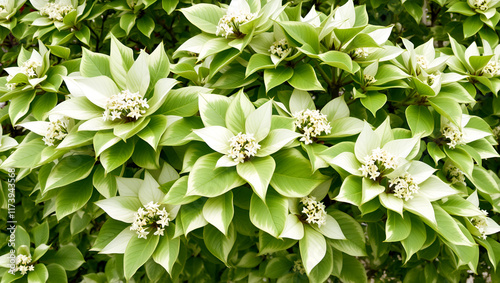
60	51
27	155
43	105
351	190
56	273
70	169
258	62
354	244
269	216
293	175
257	172
169	5
204	16
69	257
461	8
41	233
269	244
448	108
206	180
397	228
167	251
73	197
218	244
219	211
137	253
304	78
352	270
312	248
337	59
122	60
414	9
39	275
322	271
460	158
276	77
146	25
374	101
20	105
258	122
182	102
448	228
303	33
94	64
117	155
127	22
472	25
238	112
153	132
420	120
176	195
213	109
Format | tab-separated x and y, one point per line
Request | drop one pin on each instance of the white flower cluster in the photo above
455	175
314	210
482	5
404	186
23	264
56	12
280	48
56	131
298	267
312	123
361	52
454	134
150	216
369	79
377	162
125	104
243	146
28	68
230	23
480	223
492	68
421	61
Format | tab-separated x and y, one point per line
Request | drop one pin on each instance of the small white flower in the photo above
230	23
242	147
125	105
491	69
57	129
480	223
404	186
150	217
361	53
55	11
312	123
369	79
454	134
421	61
377	162
23	264
496	132
314	210
280	48
482	5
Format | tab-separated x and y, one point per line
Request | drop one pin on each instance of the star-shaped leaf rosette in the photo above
8	8
244	138
380	171
317	127
141	226
118	98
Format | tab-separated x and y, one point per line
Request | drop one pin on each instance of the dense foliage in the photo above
248	140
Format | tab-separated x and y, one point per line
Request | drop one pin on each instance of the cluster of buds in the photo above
55	11
361	53
312	123
298	267
3	6
455	175
23	264
496	132
432	78
404	186
125	105
480	223
230	23
369	79
491	69
56	131
453	134
10	86
377	162
280	48
151	216
481	5
243	147
314	210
